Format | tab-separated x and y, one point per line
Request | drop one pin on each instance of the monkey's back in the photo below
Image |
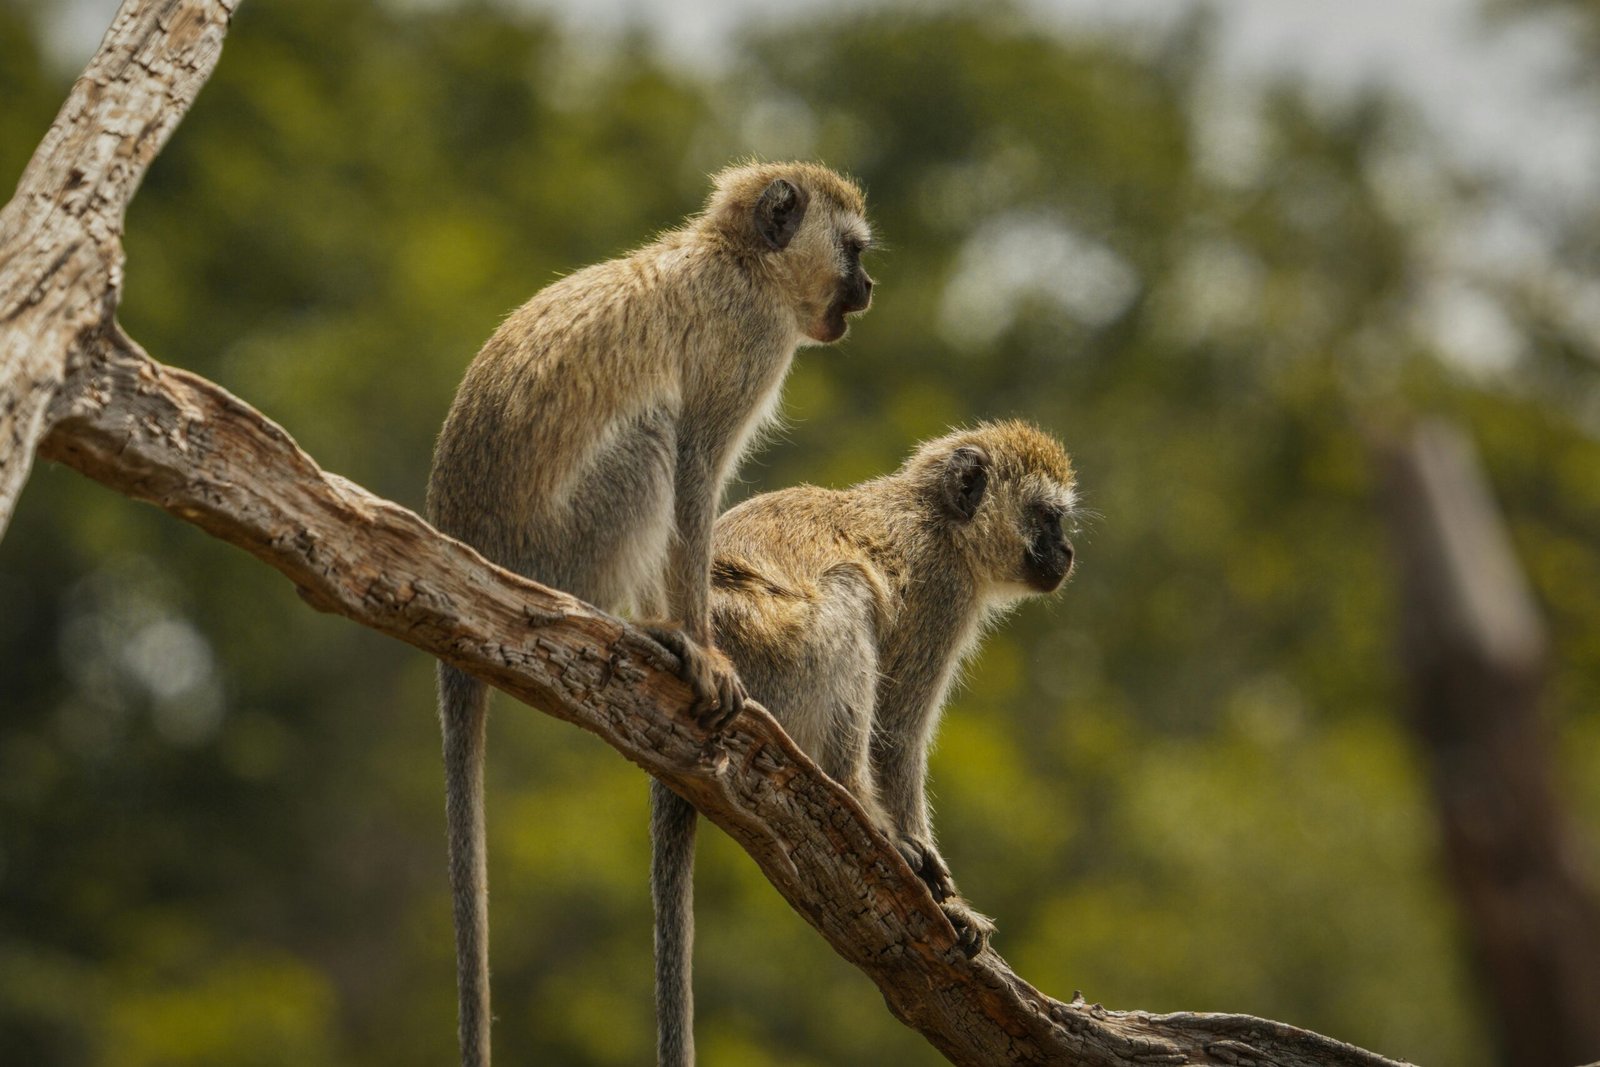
557	456
801	607
791	538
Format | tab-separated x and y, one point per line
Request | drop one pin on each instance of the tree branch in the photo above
60	236
176	440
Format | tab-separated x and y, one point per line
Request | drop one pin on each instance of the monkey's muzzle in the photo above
1048	563
854	295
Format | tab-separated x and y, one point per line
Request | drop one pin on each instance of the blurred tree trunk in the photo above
1474	649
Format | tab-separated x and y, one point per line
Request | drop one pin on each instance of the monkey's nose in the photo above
862	297
1066	553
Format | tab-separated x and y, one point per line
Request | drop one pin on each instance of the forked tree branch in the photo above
74	385
61	234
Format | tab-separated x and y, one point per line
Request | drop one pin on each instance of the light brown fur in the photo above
848	614
591	438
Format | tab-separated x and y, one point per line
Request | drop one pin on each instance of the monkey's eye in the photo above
853	248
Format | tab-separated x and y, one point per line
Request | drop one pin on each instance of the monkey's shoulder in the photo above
623	322
658	276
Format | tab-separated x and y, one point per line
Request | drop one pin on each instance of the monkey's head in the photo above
804	228
1005	493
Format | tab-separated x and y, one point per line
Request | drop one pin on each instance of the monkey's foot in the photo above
927	864
719	695
973	929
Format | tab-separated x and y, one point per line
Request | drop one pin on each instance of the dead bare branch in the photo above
61	235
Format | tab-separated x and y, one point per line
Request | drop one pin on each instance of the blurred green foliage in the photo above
1181	785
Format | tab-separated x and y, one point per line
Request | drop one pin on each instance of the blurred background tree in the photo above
1182	785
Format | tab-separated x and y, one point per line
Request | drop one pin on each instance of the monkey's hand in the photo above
928	865
973	929
719	695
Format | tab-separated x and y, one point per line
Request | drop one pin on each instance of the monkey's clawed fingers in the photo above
729	698
719	695
973	929
927	864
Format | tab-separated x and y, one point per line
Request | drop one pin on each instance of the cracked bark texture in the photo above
61	234
75	388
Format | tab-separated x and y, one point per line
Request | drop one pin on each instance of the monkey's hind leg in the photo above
672	833
463	705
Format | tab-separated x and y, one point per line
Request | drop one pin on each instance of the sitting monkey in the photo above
847	614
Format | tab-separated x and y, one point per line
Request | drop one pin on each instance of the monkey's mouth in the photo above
1045	570
833	325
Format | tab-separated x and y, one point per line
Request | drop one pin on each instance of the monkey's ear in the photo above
966	479
779	212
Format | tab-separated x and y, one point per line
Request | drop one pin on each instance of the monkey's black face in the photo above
853	295
855	290
1048	559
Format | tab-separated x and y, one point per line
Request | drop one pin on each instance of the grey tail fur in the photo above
672	830
463	704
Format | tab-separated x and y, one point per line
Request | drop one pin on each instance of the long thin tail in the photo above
463	703
672	829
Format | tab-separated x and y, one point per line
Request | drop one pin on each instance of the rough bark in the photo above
1475	650
60	236
75	385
